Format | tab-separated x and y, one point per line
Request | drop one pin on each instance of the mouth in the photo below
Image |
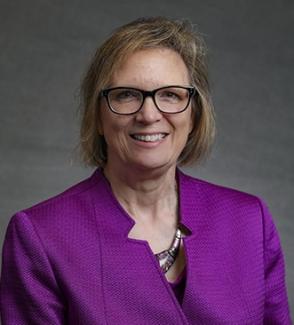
149	137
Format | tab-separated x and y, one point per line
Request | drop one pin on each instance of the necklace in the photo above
167	257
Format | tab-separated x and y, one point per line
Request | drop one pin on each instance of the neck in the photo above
148	196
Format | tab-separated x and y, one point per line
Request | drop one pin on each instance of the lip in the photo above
144	134
148	133
148	144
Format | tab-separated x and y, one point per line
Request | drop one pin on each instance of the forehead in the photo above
151	68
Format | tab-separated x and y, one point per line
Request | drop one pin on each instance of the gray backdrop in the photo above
45	47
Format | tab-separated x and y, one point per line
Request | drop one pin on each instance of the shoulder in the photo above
223	206
219	209
211	192
64	207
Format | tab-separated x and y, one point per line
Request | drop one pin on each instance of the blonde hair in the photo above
143	33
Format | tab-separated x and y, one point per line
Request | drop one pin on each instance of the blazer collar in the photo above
190	202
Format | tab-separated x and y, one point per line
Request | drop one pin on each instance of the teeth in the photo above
149	138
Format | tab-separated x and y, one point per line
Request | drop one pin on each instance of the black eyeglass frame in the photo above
145	93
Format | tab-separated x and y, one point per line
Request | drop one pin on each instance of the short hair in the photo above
145	33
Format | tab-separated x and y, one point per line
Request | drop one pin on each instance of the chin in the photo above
152	164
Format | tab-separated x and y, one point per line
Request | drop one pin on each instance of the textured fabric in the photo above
69	261
179	286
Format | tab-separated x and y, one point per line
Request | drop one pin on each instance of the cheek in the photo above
187	124
114	128
107	122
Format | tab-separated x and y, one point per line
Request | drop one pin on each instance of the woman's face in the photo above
147	139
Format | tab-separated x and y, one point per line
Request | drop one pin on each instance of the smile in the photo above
149	137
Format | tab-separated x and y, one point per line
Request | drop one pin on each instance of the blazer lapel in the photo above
133	284
221	261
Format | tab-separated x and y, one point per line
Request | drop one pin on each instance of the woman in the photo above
139	242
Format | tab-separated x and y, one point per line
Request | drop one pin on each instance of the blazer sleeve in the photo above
29	293
276	301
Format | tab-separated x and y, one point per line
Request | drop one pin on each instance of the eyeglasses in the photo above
127	100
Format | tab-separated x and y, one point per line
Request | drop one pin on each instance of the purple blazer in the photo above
69	261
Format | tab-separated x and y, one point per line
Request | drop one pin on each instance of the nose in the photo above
148	112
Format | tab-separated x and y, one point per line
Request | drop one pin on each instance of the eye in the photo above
170	95
124	95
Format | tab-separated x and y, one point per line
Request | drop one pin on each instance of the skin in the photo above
142	175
